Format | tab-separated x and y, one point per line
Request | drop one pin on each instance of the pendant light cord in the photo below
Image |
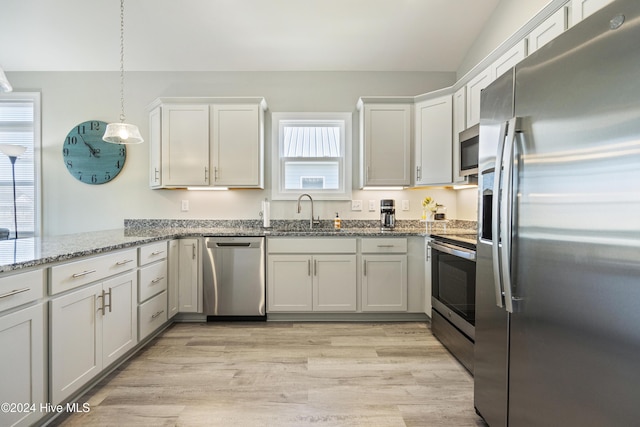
122	117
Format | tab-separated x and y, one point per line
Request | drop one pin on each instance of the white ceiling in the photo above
240	35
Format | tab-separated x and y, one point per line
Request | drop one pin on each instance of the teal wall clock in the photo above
88	158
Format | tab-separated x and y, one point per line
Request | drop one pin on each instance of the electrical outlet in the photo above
184	206
356	205
372	205
405	205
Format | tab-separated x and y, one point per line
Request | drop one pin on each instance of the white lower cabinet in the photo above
190	276
152	314
384	274
90	328
173	278
324	279
22	367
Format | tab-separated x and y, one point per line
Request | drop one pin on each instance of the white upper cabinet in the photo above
474	87
509	59
185	145
459	124
237	139
551	28
433	128
202	142
580	9
385	143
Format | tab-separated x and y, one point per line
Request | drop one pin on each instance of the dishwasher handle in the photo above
230	244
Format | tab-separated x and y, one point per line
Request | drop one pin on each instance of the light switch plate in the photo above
372	205
184	206
405	205
356	205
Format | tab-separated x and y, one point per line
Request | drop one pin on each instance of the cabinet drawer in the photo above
314	245
18	289
151	315
73	274
153	252
152	280
384	245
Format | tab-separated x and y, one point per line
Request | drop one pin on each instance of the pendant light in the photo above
5	86
122	133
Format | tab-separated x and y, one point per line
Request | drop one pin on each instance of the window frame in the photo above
35	98
342	120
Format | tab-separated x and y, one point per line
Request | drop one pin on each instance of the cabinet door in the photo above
334	283
119	318
23	360
459	124
76	340
474	87
173	291
155	148
237	141
386	145
509	59
433	141
427	277
289	283
551	28
384	283
185	145
190	277
580	9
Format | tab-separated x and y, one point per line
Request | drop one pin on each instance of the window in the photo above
20	125
312	154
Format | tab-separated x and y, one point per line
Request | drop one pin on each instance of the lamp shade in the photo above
122	133
5	86
11	150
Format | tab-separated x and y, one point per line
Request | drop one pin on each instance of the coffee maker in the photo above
387	214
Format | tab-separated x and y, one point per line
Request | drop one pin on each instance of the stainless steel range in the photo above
453	293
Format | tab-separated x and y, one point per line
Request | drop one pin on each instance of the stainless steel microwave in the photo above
469	144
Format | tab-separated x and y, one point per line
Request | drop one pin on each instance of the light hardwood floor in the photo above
286	375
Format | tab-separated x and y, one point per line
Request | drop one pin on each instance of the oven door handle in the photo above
454	250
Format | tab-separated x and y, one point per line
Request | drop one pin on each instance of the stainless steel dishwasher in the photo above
234	278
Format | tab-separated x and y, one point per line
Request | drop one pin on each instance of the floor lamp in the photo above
13	152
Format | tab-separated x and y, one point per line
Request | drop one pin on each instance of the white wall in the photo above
506	19
69	98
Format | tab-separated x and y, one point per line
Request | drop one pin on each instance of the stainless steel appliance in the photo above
453	288
387	214
469	145
558	278
234	277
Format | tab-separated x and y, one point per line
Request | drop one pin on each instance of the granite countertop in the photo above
30	252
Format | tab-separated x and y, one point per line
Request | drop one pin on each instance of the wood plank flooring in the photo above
285	375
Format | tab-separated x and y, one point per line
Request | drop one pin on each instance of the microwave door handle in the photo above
495	218
506	213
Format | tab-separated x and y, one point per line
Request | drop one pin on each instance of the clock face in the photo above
88	158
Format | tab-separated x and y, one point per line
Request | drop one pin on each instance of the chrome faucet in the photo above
311	221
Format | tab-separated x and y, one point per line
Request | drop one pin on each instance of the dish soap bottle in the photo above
337	222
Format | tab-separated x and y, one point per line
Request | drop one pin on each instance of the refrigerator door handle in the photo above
506	211
495	218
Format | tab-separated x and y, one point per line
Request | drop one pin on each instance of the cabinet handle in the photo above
364	268
157	314
124	261
206	174
428	253
84	273
419	172
101	307
156	172
157	279
104	306
315	267
215	173
193	255
386	246
157	253
14	292
308	267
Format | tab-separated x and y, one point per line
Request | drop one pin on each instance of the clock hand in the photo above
94	152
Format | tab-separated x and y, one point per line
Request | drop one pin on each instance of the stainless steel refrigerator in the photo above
557	339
